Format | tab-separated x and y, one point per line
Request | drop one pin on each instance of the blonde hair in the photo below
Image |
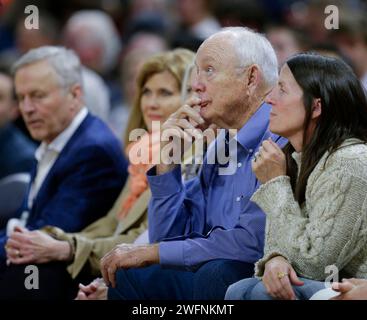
175	62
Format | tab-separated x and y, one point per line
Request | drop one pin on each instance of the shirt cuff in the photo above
171	253
165	184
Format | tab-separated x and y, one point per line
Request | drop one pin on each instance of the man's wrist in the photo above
64	251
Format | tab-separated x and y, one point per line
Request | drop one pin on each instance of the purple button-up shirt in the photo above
211	216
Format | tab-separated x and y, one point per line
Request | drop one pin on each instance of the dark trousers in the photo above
54	282
209	282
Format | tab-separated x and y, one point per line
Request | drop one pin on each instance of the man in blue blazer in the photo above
81	168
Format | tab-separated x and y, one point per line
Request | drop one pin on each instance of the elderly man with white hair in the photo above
206	233
80	166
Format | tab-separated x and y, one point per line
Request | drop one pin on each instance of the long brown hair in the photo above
343	112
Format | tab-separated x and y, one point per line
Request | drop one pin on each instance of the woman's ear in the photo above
316	108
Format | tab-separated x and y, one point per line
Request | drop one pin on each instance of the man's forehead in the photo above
39	69
35	76
215	49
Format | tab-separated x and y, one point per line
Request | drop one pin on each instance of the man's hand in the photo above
24	246
351	289
96	290
279	276
127	256
269	162
182	129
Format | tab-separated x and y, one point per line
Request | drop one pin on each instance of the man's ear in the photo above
316	108
76	91
253	78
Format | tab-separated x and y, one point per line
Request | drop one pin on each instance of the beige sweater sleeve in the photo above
329	230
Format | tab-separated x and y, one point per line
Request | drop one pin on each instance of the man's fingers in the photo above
81	296
276	147
188	111
111	275
342	286
355	281
21	237
21	260
88	289
11	244
20	229
104	272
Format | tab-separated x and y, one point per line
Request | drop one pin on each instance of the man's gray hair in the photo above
64	61
253	48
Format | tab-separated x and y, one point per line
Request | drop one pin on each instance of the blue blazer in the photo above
83	183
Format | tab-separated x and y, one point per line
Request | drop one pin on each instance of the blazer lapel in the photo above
137	210
58	166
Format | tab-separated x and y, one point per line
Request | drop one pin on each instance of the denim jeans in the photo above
254	289
209	282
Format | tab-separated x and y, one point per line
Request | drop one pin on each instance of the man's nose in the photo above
198	86
27	105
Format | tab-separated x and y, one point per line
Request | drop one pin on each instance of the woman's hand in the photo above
24	246
269	162
279	276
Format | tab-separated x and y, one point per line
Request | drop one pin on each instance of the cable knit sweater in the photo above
331	226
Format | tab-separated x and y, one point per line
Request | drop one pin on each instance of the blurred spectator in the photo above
197	23
94	37
249	13
285	41
46	34
96	94
16	151
140	47
351	39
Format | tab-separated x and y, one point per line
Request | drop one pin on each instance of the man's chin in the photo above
37	136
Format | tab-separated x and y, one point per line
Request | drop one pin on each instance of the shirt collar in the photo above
252	133
62	139
297	156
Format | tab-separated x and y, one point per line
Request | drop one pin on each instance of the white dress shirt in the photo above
47	154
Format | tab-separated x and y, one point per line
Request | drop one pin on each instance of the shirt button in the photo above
238	199
250	150
239	165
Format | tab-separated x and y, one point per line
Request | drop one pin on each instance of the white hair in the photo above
253	48
64	61
102	27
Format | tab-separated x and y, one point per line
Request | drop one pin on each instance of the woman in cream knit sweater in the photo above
314	191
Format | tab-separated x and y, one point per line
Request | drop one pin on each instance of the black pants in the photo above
53	282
